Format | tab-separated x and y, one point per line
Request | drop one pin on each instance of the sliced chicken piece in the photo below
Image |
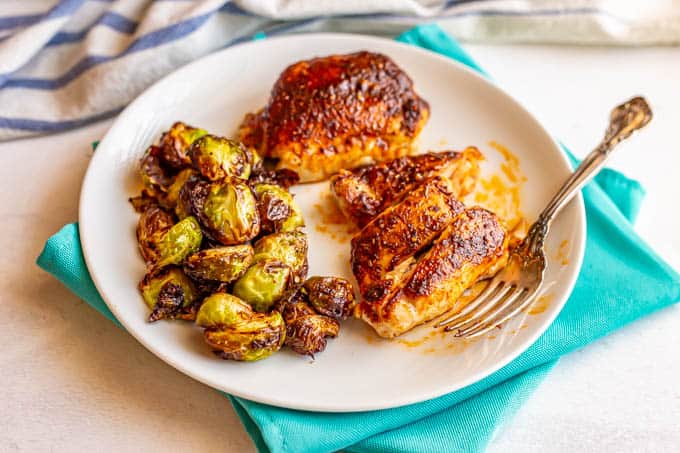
365	192
474	245
399	232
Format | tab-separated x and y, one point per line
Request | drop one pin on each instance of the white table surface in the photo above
71	381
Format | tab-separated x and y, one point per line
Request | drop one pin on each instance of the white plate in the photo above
357	371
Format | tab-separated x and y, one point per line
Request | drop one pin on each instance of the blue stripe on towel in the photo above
110	19
18	21
150	40
63	8
26	124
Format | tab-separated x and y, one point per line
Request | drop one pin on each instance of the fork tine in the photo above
486	292
509	298
487	305
519	305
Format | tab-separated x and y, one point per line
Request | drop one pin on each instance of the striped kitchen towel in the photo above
68	63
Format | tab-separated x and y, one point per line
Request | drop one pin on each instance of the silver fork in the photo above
516	286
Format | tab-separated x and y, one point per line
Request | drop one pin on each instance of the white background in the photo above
71	381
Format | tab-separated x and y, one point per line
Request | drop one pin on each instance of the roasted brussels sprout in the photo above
223	310
263	284
191	197
155	176
171	196
224	264
306	331
153	224
254	340
180	241
283	177
229	212
167	293
218	158
289	247
330	296
175	144
307	334
278	210
236	332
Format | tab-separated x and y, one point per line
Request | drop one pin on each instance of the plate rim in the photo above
90	261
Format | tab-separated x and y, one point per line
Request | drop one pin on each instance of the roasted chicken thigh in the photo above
336	112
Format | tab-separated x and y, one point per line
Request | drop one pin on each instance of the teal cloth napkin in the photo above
621	280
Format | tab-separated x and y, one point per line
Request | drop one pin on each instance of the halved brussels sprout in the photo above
223	310
167	293
155	176
218	158
170	198
288	247
256	339
224	264
180	241
307	335
175	144
153	224
306	331
229	212
191	197
263	284
238	333
278	210
330	296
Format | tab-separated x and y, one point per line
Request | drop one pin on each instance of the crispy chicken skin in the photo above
336	112
400	232
473	246
366	191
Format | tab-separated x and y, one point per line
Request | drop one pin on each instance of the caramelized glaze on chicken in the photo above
400	232
366	191
471	247
336	112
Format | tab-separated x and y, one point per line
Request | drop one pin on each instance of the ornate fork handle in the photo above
623	121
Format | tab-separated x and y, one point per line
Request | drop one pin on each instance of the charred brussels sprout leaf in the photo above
306	331
330	296
229	212
223	310
143	201
167	293
290	248
218	158
258	338
170	302
307	334
180	241
191	197
155	176
153	224
171	197
175	144
278	210
224	264
263	284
